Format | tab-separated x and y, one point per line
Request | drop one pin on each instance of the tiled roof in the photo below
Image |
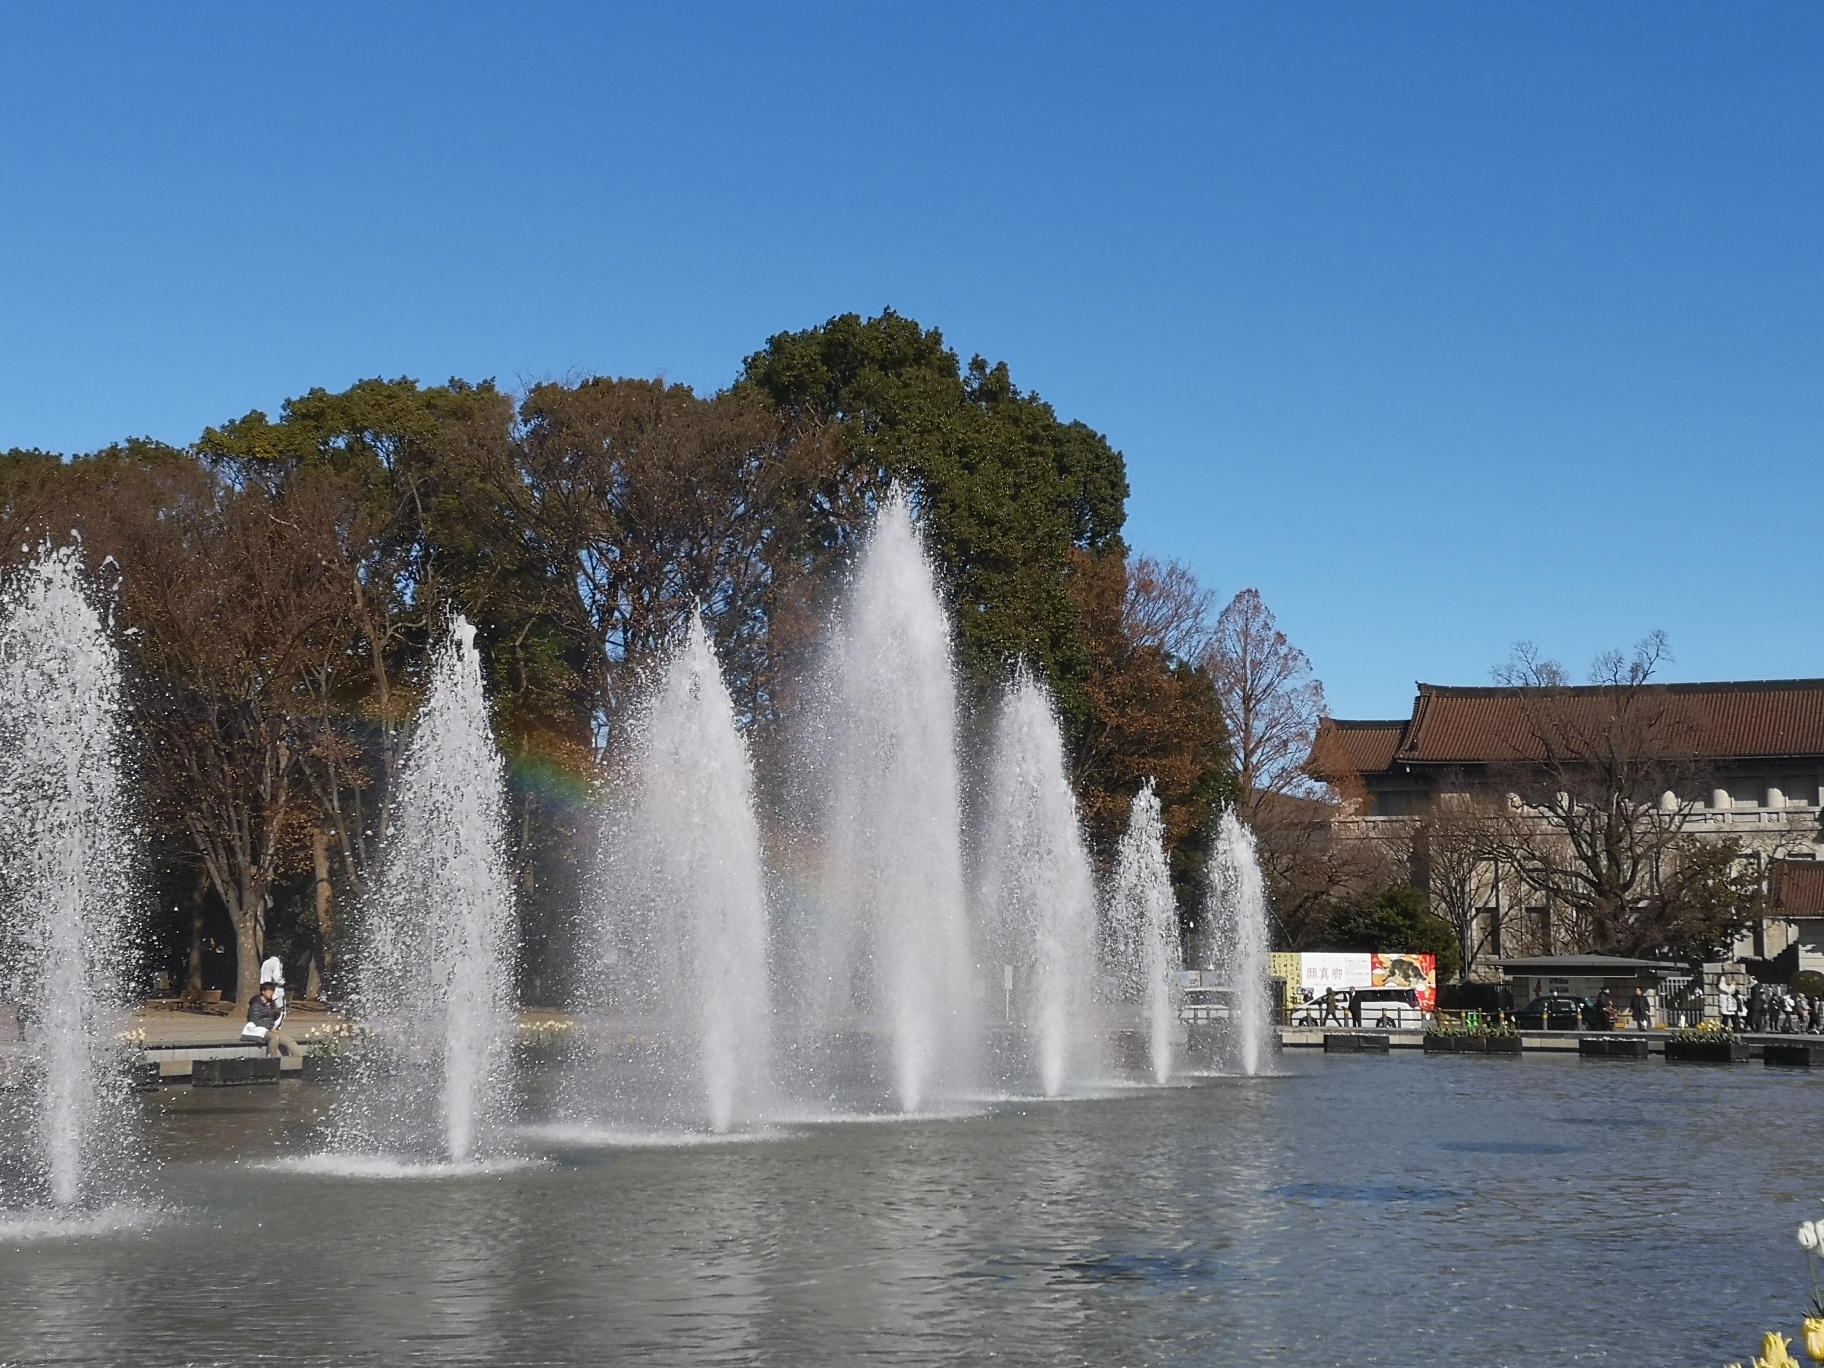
1797	887
1703	721
1767	719
1345	747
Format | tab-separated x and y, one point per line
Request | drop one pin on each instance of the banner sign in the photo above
1319	972
1417	972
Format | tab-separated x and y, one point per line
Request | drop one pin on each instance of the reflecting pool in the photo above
1397	1210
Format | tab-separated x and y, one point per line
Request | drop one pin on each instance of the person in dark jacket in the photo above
1640	1009
264	1016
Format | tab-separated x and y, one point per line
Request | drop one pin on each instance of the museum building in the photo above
1741	760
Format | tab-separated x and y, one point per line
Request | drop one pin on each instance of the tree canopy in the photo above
1005	489
282	582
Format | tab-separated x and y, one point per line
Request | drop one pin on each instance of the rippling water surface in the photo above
1396	1210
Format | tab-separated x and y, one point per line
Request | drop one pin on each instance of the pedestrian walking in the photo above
1726	1003
1641	1010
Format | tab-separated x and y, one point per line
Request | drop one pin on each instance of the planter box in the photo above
224	1073
1472	1044
1707	1052
327	1068
1355	1044
1613	1047
1793	1055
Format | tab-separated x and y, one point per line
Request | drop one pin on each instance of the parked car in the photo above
1558	1013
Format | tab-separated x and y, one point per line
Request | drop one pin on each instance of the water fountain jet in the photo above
68	840
1038	891
894	810
1143	914
1238	939
684	908
435	977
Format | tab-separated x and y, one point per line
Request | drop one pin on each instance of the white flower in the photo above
1808	1235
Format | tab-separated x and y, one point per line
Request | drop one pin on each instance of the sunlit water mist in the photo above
894	819
1143	921
69	844
436	955
1038	892
1238	939
681	913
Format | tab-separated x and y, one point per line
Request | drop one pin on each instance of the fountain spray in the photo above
436	970
1238	938
1038	890
1144	916
697	893
68	840
895	809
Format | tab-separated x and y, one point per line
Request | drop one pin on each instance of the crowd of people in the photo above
1771	1007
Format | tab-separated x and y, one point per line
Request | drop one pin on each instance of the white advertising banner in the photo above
1321	971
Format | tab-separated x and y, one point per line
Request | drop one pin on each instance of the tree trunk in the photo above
248	948
326	924
193	978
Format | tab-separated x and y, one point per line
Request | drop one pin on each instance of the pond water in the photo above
1351	1210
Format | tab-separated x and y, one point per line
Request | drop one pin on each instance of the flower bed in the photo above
1485	1037
334	1039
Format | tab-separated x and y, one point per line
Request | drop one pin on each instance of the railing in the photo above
1681	1002
1396	1016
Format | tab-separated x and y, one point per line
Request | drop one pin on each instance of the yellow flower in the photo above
1776	1352
1814	1339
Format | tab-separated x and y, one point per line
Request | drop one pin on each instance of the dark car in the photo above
1558	1013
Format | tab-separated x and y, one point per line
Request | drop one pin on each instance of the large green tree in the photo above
1005	488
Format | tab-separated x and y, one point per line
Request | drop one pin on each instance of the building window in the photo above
1539	925
1491	929
1800	789
1745	793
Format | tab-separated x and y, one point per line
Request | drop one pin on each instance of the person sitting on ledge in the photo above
264	1017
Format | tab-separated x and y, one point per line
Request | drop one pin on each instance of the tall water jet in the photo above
67	839
687	886
1143	916
436	970
1238	938
1038	892
894	808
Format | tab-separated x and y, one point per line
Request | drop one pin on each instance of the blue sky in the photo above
1442	325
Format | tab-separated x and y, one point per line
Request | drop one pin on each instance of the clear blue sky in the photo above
1443	325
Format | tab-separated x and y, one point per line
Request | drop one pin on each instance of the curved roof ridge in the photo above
1707	686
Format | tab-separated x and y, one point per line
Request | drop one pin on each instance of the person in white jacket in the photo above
273	972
